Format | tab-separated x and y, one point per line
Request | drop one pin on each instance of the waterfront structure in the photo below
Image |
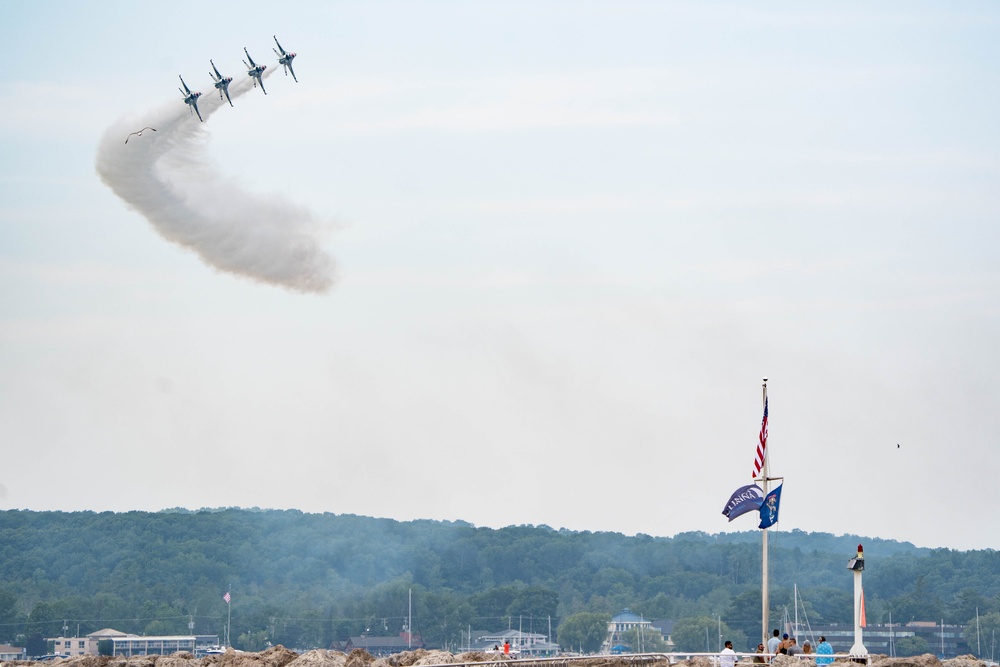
622	623
86	645
857	565
381	646
8	653
197	645
524	644
944	641
125	644
666	629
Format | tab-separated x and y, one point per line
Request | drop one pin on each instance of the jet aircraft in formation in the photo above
221	82
190	98
284	59
254	70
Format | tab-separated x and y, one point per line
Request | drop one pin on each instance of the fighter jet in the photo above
284	58
190	98
221	82
255	70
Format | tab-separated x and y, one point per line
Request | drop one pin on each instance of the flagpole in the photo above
229	616
763	560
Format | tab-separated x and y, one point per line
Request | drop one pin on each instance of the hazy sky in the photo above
570	239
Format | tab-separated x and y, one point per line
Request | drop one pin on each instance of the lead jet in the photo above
221	82
191	99
284	58
254	70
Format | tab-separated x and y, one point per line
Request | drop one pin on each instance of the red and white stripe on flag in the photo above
758	462
227	597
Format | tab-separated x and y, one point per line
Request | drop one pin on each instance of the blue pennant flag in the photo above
745	499
769	508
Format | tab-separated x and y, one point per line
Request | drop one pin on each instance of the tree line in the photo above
307	580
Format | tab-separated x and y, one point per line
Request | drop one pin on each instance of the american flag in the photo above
227	597
758	462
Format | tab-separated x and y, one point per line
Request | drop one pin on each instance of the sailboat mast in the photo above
763	559
795	598
979	648
892	637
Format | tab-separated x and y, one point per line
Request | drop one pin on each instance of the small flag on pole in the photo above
758	462
769	509
745	499
227	597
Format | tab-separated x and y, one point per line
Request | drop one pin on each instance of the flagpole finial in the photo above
765	380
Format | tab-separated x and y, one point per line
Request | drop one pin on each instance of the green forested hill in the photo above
304	580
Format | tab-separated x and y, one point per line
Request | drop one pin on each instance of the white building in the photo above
621	624
72	646
522	643
8	653
126	644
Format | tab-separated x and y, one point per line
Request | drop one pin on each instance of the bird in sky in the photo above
139	133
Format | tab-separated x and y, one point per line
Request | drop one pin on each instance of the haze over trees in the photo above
305	580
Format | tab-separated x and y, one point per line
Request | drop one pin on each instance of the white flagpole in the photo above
229	616
763	560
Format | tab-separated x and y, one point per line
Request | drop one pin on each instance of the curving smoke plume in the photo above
169	178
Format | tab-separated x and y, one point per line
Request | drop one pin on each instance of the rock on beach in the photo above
279	656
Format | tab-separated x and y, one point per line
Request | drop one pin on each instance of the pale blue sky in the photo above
571	238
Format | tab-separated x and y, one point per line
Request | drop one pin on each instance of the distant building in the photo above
8	653
197	645
87	645
523	643
666	629
127	644
619	625
382	646
944	641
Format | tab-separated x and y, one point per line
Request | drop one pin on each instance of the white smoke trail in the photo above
168	177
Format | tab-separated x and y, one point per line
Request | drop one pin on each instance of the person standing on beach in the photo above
773	642
824	649
728	656
761	657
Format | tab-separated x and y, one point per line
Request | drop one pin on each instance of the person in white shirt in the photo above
728	656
